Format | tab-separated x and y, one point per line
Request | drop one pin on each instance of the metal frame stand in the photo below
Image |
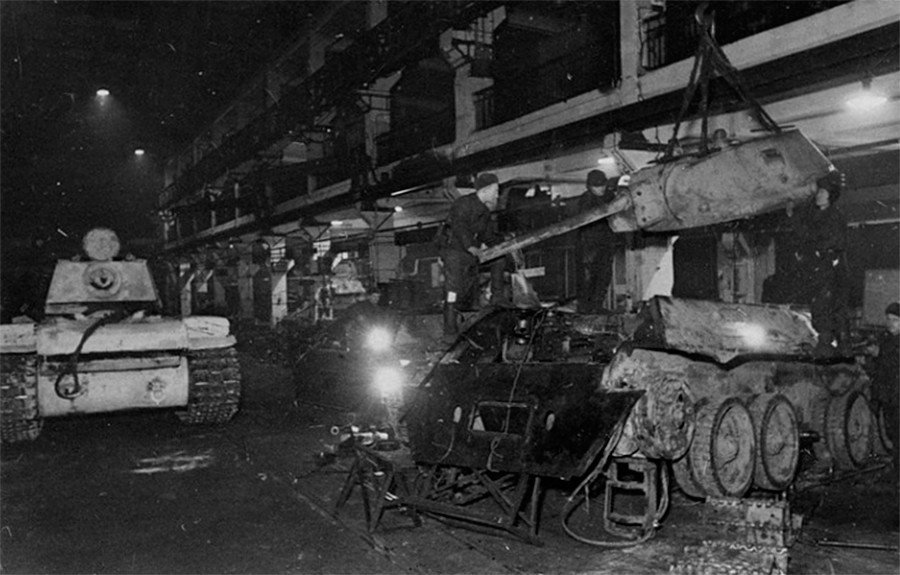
447	493
625	524
383	481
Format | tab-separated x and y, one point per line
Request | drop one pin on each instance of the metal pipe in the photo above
852	545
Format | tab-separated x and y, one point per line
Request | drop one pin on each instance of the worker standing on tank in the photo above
825	233
594	248
886	381
467	230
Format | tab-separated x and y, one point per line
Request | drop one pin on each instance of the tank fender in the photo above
725	331
62	336
208	332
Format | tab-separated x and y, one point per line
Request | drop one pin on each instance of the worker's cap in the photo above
893	309
484	180
833	182
623	181
596	178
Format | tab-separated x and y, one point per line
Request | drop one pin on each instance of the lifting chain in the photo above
710	58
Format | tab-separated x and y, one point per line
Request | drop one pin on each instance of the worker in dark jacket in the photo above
466	231
594	248
886	380
825	250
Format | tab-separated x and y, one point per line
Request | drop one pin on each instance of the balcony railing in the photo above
590	68
375	53
672	35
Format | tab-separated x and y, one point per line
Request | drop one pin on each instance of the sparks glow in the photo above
388	380
378	339
754	335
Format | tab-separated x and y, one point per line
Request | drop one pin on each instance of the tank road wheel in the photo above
777	441
215	386
848	429
684	477
19	419
723	452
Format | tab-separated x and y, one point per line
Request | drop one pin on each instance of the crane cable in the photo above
710	57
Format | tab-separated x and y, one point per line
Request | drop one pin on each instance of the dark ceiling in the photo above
171	68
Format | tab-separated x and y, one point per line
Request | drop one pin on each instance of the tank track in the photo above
19	419
752	538
215	386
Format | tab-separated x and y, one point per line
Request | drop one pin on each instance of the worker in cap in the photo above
468	229
594	247
886	381
824	236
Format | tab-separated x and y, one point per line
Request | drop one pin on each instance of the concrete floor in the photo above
139	493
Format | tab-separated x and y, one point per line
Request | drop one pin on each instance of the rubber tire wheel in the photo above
215	386
19	417
769	474
844	419
684	477
708	439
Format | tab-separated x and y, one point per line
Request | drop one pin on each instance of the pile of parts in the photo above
754	537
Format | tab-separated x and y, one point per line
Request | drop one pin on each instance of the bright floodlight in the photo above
865	101
388	380
102	92
378	339
139	152
754	335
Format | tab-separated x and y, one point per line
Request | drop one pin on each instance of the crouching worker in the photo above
468	229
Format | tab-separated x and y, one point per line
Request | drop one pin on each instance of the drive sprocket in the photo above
19	417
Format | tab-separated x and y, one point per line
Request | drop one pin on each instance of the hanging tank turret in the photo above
102	348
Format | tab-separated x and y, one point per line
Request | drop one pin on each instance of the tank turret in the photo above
101	348
100	282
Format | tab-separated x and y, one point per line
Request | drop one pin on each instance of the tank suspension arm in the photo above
619	204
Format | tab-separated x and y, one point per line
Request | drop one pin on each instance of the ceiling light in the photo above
102	93
398	209
139	152
866	99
